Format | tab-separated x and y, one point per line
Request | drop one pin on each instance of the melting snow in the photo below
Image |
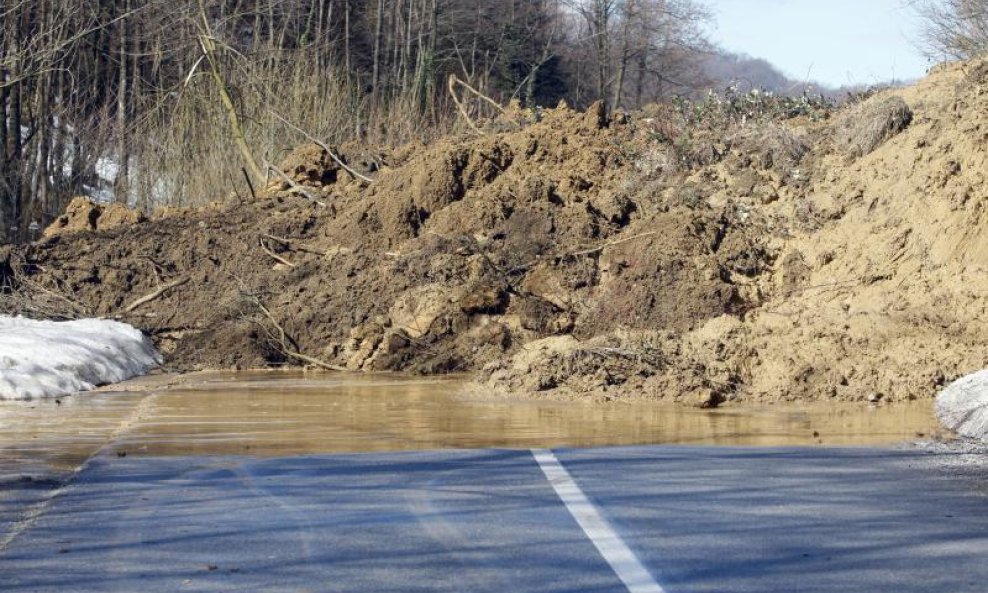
49	358
963	406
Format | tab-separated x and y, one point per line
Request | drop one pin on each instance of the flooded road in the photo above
277	413
244	482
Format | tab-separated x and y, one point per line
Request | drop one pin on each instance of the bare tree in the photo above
123	99
955	29
661	41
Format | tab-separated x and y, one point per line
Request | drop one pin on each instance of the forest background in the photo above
180	102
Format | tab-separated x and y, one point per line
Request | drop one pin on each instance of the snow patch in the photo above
963	406
50	358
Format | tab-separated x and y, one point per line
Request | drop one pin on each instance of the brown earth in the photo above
571	255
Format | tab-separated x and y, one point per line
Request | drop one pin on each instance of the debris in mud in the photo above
82	214
580	256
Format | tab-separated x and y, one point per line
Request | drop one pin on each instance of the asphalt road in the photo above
694	519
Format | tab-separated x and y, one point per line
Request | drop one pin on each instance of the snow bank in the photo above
963	406
48	358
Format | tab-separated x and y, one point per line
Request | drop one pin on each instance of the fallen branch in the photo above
591	251
278	258
291	244
454	80
459	105
321	145
314	361
156	294
295	186
283	342
77	308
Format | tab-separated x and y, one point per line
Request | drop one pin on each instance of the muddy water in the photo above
289	414
35	436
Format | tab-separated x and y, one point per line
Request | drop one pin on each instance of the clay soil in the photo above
571	254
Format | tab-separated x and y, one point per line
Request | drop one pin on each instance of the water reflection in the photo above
289	414
276	415
62	433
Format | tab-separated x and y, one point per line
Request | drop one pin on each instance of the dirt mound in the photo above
82	214
575	255
695	368
865	286
674	273
453	256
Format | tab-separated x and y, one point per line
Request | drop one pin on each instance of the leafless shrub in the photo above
189	141
869	125
26	298
771	145
956	29
656	162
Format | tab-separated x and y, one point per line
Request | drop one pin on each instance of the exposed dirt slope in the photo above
567	254
894	296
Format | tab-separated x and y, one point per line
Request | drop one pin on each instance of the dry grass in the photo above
658	160
869	125
185	153
25	298
771	145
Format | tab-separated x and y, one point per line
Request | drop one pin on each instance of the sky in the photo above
835	42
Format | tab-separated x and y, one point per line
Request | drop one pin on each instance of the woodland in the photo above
154	102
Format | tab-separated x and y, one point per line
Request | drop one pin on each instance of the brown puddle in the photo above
40	435
289	414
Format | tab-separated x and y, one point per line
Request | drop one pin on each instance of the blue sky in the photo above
835	42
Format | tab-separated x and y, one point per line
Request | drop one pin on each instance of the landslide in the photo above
575	255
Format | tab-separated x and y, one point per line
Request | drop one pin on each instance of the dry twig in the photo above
284	343
156	294
459	105
291	244
295	186
278	258
33	299
591	251
322	145
454	80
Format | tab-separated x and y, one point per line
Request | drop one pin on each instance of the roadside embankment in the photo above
704	257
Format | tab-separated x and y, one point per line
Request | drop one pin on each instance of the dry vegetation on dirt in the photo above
765	255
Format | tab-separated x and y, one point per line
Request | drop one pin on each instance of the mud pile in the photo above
568	254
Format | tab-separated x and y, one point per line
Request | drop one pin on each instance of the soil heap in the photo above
579	255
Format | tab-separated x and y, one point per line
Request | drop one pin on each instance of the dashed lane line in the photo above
618	555
34	512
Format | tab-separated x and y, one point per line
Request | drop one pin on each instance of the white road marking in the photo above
35	510
610	545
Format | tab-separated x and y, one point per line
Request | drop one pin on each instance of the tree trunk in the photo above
640	79
626	52
601	24
208	48
378	33
346	38
120	183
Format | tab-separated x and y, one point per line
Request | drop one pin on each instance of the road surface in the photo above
639	519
